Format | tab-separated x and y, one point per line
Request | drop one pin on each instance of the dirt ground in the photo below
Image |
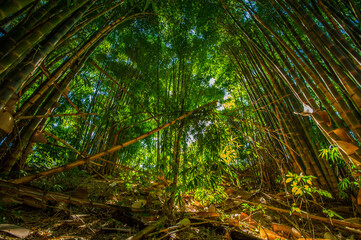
242	216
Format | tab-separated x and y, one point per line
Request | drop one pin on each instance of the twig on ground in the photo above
148	229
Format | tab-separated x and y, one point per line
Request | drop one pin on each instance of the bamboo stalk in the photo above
122	88
7	187
12	6
106	152
17	77
56	115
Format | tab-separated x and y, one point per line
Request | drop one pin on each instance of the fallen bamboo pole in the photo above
84	154
83	161
8	187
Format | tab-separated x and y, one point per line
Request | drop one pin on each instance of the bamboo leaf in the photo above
347	147
324	116
147	5
341	133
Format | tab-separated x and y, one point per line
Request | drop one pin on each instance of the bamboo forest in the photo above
180	119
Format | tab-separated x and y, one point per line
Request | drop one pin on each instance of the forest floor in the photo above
244	215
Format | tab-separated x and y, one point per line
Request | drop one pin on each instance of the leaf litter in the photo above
138	213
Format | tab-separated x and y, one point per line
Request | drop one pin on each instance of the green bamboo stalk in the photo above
16	33
25	45
56	115
100	34
15	154
87	21
6	21
106	152
12	6
17	77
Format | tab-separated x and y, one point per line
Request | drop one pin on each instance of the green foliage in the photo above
302	185
43	161
345	185
208	196
159	65
331	154
295	208
331	213
251	208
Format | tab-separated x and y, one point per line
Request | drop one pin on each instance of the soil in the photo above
231	219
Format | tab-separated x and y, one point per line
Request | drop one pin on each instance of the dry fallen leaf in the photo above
286	229
81	193
230	191
329	236
15	230
207	214
312	239
324	115
341	133
184	222
196	203
212	209
268	234
355	159
247	219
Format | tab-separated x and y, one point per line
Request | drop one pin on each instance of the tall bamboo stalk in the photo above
106	152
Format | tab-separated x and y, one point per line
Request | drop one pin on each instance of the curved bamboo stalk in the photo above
55	76
24	46
87	21
12	6
17	32
17	77
15	154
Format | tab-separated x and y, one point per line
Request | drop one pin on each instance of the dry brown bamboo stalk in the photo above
48	75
